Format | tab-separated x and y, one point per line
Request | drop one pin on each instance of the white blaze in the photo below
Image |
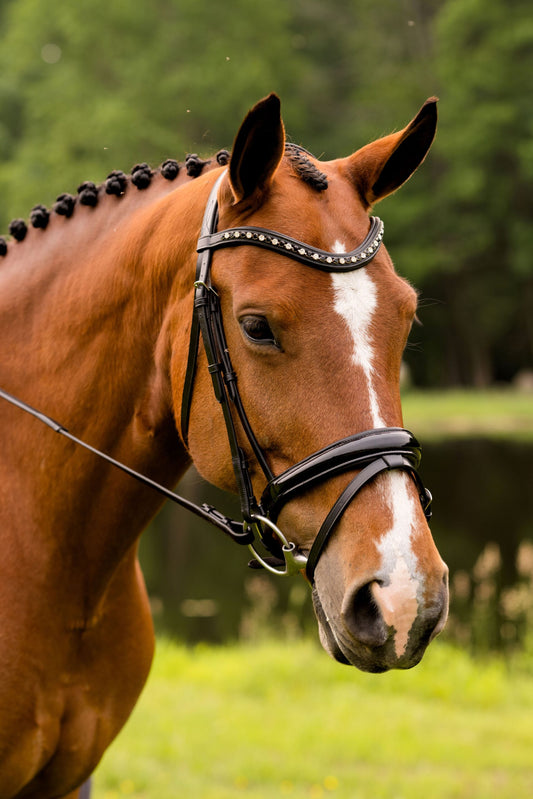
356	301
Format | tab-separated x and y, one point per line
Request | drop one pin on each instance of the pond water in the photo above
201	589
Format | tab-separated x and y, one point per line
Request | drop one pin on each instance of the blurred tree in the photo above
480	215
368	68
92	86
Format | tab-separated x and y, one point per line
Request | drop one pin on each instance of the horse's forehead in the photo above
287	292
285	288
328	214
297	207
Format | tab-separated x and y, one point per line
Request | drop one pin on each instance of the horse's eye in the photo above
257	329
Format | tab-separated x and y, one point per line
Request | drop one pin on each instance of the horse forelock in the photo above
116	184
300	161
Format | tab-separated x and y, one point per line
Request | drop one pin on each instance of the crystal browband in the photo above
312	256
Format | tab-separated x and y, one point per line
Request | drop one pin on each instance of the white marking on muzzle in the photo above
398	598
356	301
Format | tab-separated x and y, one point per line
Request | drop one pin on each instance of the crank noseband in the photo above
370	453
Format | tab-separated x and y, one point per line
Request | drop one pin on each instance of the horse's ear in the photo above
257	150
384	165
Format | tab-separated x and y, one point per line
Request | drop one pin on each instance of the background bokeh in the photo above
92	85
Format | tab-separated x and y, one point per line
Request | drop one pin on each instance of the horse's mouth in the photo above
327	638
344	649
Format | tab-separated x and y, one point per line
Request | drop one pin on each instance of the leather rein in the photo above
371	452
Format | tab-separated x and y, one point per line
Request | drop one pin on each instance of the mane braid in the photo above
116	183
39	216
304	168
88	194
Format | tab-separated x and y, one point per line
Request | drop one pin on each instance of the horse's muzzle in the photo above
371	635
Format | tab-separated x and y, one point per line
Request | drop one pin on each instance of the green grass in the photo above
280	720
440	414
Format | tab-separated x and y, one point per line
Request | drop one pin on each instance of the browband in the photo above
298	250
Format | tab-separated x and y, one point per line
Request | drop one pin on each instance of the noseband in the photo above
370	452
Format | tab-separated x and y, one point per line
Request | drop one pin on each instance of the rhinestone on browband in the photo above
298	250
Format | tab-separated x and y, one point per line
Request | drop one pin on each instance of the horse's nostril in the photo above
363	618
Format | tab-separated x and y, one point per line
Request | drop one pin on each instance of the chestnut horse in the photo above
96	302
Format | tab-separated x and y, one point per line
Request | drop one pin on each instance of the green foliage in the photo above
91	86
480	218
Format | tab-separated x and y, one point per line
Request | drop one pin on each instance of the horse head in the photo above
317	356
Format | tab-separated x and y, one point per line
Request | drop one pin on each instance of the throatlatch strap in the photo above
192	360
203	263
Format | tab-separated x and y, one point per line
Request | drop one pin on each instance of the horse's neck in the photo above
83	311
75	303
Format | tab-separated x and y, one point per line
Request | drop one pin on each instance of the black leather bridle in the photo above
370	452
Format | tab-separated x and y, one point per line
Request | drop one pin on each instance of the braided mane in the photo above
116	183
141	176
